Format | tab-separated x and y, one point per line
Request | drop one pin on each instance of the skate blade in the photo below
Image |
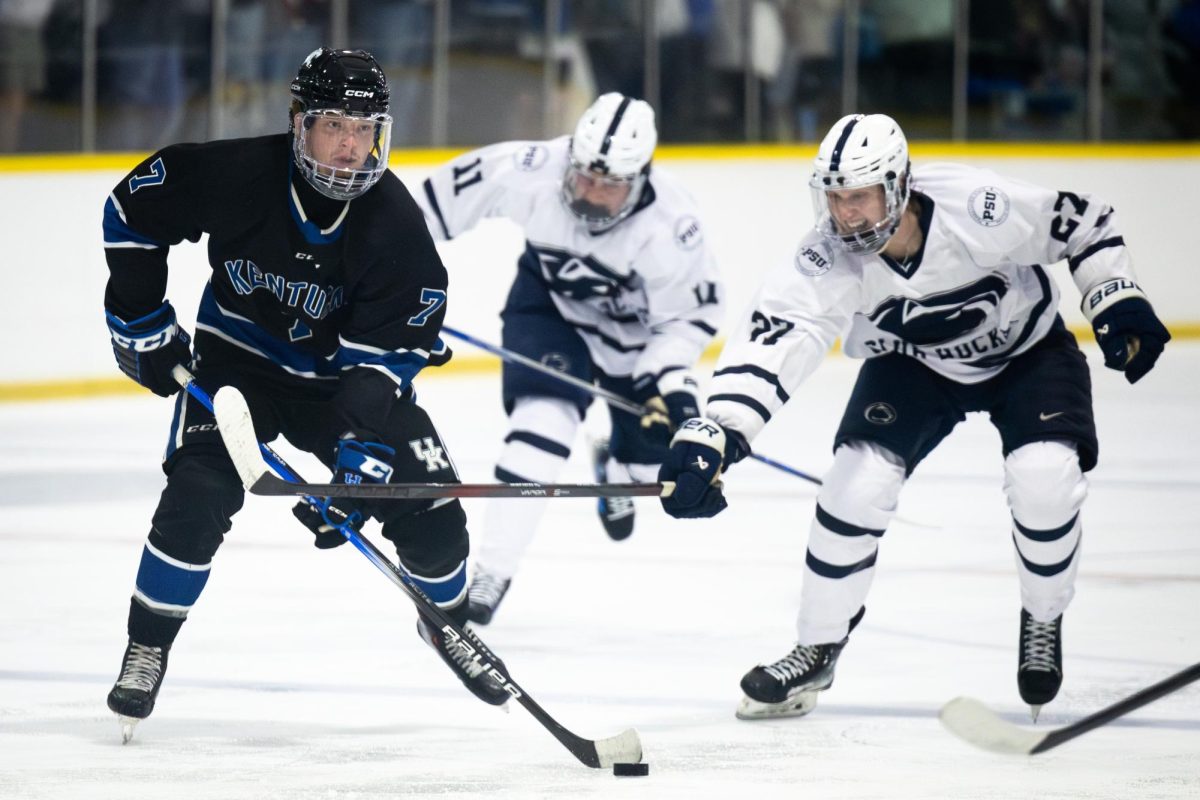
1034	711
796	706
127	726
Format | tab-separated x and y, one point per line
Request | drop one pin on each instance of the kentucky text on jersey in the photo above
317	301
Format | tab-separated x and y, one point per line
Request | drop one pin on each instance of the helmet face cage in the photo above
872	239
861	151
341	131
341	155
598	199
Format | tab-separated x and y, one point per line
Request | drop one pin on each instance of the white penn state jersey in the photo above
975	296
645	295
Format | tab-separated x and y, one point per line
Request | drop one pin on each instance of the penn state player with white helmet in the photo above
938	278
616	285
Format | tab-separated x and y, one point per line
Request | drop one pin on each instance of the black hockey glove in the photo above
668	401
149	347
699	451
355	462
1126	327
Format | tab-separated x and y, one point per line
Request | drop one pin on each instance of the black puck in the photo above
631	770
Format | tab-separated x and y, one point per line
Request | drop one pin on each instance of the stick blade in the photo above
237	431
975	723
624	748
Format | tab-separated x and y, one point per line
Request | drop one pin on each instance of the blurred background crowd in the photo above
132	75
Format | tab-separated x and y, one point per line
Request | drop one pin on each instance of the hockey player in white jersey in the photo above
938	278
616	285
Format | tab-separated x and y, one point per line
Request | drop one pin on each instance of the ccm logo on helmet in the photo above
359	93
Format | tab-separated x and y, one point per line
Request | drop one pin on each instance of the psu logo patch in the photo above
880	414
557	362
531	159
988	206
813	260
687	233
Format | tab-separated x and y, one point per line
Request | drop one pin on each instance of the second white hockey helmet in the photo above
861	150
610	157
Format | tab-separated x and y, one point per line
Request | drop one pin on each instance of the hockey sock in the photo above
446	591
165	590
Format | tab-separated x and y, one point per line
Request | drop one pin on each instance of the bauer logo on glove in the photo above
694	464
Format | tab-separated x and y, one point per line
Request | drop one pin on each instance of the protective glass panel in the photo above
906	63
1150	58
41	76
1027	70
153	74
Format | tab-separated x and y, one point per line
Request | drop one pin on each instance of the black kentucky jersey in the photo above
322	290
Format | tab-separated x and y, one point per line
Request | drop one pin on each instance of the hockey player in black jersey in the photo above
937	277
326	298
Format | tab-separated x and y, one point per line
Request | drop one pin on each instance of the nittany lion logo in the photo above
579	277
940	318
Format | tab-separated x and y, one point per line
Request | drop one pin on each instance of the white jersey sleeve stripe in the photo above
758	372
1103	244
745	400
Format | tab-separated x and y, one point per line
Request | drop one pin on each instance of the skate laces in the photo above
486	590
465	661
142	669
618	507
461	657
1040	646
795	663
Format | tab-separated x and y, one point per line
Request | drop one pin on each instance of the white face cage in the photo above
600	201
341	154
873	238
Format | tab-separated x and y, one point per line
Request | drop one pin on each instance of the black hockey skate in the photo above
132	698
1039	662
789	686
484	596
616	513
464	657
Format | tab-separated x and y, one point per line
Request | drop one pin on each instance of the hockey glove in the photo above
149	347
355	462
668	402
698	452
1127	329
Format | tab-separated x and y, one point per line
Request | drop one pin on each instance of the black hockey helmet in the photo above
350	80
341	131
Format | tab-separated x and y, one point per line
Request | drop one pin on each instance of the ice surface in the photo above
300	675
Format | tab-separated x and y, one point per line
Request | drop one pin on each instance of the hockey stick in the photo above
248	454
625	747
269	485
972	721
612	398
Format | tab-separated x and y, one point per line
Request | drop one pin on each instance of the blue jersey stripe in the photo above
117	232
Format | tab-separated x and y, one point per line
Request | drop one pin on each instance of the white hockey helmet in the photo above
862	150
609	160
